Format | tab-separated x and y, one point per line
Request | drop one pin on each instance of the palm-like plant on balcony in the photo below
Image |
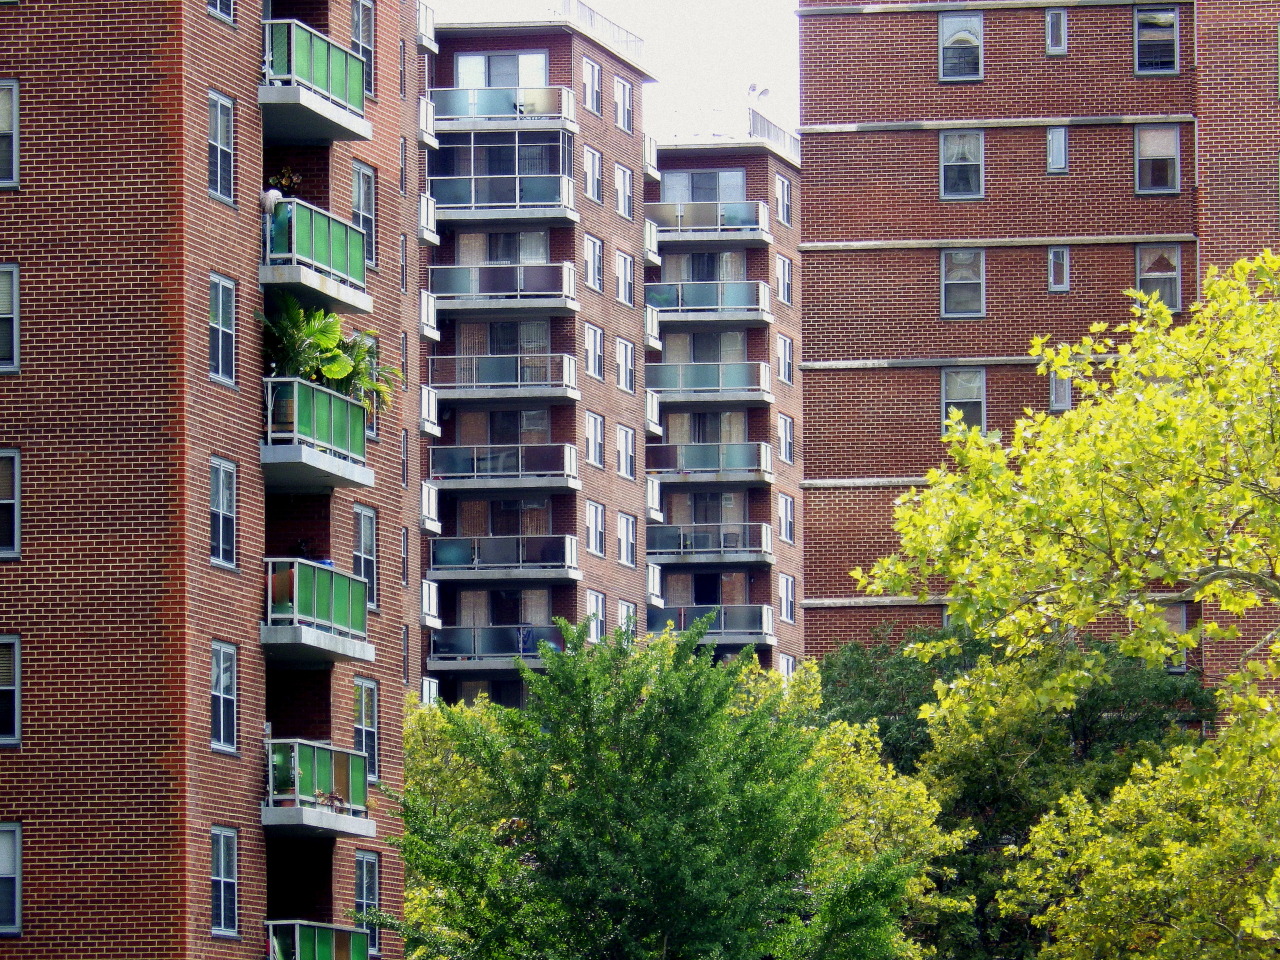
368	381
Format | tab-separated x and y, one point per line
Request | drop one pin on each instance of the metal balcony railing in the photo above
504	462
501	642
296	55
500	553
700	539
317	775
707	377
503	372
504	281
708	217
748	619
528	192
708	457
707	296
296	233
300	412
303	940
504	103
301	593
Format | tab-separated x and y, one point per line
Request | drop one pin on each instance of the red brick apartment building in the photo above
978	173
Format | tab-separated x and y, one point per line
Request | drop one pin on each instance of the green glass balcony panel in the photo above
298	54
739	376
323	777
696	295
306	760
741	456
356	431
664	296
701	376
359	780
700	456
322	609
341	610
540	190
281	768
359	607
740	294
452	191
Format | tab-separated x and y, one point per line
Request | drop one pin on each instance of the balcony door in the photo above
707	346
704	267
705	589
704	186
502	69
713	426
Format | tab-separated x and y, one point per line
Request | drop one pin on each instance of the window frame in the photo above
786	438
592	174
1060	396
1176	158
220	154
11	178
404	556
623	105
1063	254
624	274
624	354
948	403
14	687
224	878
596	601
628	616
594	439
625	438
1059	133
14	829
786	518
786	359
943	17
1058	48
594	523
624	200
786	598
12	319
1176	69
593	262
593	359
215	8
364	733
592	92
944	256
364	549
1177	274
782	198
362	14
627	539
224	704
221	310
785	289
978	194
368	872
219	472
364	187
12	454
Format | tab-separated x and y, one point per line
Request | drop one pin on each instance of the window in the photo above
404	86
622	106
627	616
960	46
404	653
704	186
626	539
591	85
623	185
626	452
9	133
10	878
404	363
404	459
364	561
784	291
404	265
786	438
364	207
964	283
1059	393
965	390
10	503
593	174
595	615
404	556
366	899
222	512
221	146
786	598
624	278
595	528
1159	272
1059	269
1055	32
786	665
595	439
1056	148
404	165
625	352
786	518
223	892
366	722
527	69
960	164
8	318
1155	157
222	8
10	707
222	698
1155	40
371	419
595	351
782	198
593	273
786	359
222	327
1175	615
362	37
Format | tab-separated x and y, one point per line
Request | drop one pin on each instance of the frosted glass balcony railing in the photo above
501	642
708	457
299	234
695	539
500	553
430	422
707	296
430	506
504	282
296	55
652	327
651	239
708	378
319	776
426	22
302	940
427	226
301	593
653	495
708	217
528	192
652	411
300	412
430	604
746	620
505	372
426	119
504	103
428	315
653	577
651	153
504	462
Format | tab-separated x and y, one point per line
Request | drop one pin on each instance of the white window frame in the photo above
364	549
222	509
624	352
9	131
626	539
981	400
595	616
594	454
1138	13
364	207
943	137
623	105
223	700
626	440
786	438
1055	32
9	339
594	340
222	151
628	616
1059	264
1158	279
943	19
367	898
404	459
592	90
786	518
364	38
1057	158
624	269
225	880
786	359
786	598
222	9
782	198
404	556
12	503
786	666
222	329
593	174
1152	129
1060	398
945	256
11	836
786	290
593	262
404	166
365	722
624	191
595	528
1175	615
11	685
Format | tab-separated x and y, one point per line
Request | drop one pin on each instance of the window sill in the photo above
220	381
225	751
225	201
215	15
960	79
219	565
225	935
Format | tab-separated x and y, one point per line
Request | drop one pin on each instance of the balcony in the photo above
743	224
430	422
476	649
652	412
723	384
431	605
545	198
315	438
427	28
651	254
315	256
317	790
427	124
303	940
651	159
738	301
546	466
730	463
652	328
490	109
428	229
429	316
507	558
314	614
430	508
653	499
721	543
526	376
742	625
521	288
653	577
312	90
